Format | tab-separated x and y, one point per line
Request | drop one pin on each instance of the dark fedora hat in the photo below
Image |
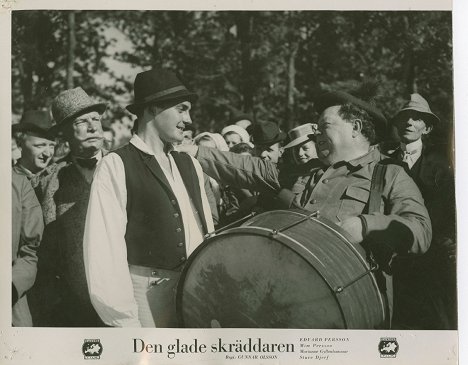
334	98
71	103
266	133
161	86
420	105
37	122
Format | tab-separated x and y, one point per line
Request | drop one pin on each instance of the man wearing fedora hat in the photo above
147	212
425	287
36	143
267	138
61	295
396	222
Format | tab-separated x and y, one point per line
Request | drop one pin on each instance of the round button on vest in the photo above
176	215
182	259
325	181
178	230
173	202
180	244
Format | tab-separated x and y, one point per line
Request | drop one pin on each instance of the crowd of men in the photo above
100	234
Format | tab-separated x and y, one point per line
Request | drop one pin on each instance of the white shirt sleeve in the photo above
205	203
105	251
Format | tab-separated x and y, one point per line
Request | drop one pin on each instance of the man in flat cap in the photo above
395	223
425	287
36	143
147	212
62	289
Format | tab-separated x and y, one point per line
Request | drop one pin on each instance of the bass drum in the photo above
281	269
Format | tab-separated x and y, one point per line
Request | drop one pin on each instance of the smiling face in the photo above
305	152
36	152
411	126
269	153
169	123
84	134
334	137
232	138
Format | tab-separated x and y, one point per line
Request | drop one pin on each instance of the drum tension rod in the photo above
315	214
373	267
233	224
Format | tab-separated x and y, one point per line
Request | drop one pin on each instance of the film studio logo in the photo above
92	349
388	347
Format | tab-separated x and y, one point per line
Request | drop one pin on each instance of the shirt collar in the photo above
143	147
412	147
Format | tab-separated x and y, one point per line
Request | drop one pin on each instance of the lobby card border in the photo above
22	346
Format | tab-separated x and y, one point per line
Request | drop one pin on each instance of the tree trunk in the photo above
409	63
71	49
26	85
291	90
244	22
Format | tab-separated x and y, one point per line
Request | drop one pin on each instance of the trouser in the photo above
425	297
155	290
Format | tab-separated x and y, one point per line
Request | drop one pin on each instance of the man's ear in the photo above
428	129
357	127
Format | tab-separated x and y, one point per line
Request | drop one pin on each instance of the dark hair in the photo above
241	148
351	112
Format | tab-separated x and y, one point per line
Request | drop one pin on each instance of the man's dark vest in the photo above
155	232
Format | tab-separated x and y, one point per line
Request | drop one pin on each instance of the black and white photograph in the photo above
232	186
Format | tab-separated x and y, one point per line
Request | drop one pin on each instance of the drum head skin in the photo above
252	277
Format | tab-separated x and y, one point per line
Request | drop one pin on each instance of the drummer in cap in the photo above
147	210
348	129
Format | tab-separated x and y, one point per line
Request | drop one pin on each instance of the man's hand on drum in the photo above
354	227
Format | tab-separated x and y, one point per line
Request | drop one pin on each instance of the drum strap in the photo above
376	188
375	200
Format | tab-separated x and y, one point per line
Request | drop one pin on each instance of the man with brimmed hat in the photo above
147	211
61	295
267	138
36	143
430	279
302	143
394	221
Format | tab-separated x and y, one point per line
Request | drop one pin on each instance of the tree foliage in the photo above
272	64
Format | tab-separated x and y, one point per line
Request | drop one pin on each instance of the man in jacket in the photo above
37	145
347	129
425	287
147	211
27	231
61	294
